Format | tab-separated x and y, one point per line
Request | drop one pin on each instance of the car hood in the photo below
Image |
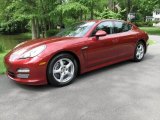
28	45
37	42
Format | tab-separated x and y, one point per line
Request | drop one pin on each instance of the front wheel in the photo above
62	70
139	52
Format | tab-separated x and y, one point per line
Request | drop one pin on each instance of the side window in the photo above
105	26
121	27
129	27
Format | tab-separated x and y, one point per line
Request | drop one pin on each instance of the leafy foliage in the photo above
72	9
109	14
43	15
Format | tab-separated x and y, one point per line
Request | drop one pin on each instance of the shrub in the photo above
52	32
144	24
68	22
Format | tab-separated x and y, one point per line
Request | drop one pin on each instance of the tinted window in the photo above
122	27
105	26
77	30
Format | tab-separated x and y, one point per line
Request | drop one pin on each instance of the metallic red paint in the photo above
92	53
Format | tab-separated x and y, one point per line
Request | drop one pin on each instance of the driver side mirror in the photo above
100	33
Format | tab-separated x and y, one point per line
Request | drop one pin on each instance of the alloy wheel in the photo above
63	70
140	51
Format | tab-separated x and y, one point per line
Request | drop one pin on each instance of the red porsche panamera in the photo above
81	48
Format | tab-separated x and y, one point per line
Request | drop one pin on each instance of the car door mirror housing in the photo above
100	33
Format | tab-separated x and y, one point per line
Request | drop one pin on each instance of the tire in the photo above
139	52
62	70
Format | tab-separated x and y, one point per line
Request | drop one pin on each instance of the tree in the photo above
72	9
35	11
109	14
44	15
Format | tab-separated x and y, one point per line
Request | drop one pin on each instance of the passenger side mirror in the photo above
100	33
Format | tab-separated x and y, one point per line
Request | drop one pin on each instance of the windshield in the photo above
77	30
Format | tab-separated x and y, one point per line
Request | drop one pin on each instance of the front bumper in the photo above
36	75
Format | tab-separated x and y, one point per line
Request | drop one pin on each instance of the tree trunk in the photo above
81	15
61	14
114	4
110	4
22	28
44	30
49	25
37	28
92	12
128	7
34	32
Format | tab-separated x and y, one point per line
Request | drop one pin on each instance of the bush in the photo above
52	32
144	24
68	22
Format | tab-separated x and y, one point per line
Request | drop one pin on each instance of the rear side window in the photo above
122	27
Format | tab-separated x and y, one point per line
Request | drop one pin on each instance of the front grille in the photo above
11	74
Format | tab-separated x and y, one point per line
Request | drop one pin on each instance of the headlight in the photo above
33	52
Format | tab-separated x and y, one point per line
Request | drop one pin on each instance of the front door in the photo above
103	49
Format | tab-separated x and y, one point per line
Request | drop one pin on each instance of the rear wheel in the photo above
62	70
139	52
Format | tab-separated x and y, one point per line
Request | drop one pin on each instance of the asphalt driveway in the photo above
125	91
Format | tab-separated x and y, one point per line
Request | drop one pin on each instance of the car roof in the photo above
97	21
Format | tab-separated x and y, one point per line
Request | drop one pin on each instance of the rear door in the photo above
126	39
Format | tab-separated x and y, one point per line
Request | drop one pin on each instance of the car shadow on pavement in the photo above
33	88
111	67
80	78
148	57
103	69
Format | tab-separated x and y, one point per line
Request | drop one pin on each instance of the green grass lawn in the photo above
151	42
7	42
2	67
151	30
10	41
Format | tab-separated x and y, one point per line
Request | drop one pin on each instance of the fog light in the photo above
23	70
24	76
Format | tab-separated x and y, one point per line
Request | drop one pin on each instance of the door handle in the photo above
84	48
